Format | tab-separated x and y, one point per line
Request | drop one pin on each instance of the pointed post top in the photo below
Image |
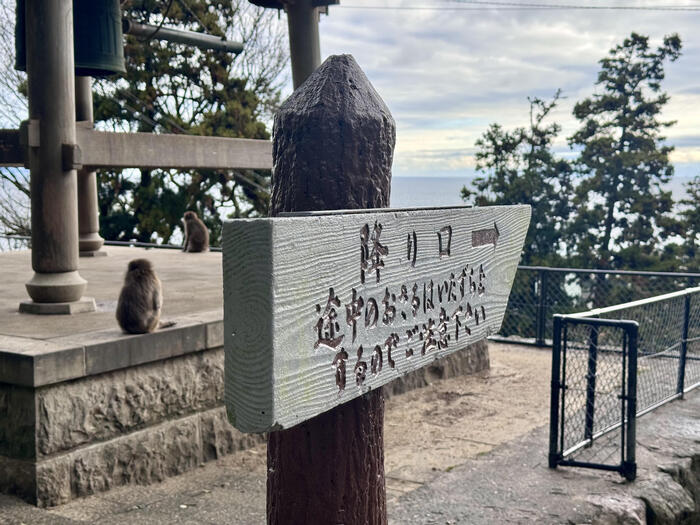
333	143
338	85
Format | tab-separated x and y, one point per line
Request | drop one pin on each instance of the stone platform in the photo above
85	408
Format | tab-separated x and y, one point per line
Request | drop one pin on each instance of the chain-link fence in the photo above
612	365
10	243
540	292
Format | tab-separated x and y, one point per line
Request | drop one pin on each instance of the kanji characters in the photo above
327	325
371	251
444	241
339	365
435	322
411	248
353	311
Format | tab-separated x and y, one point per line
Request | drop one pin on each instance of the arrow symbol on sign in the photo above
488	236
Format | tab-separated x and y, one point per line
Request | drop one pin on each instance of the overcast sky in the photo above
447	72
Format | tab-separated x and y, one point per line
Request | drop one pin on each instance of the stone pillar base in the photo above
83	305
90	241
59	287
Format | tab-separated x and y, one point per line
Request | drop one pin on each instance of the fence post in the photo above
333	144
591	380
554	394
684	346
629	465
541	309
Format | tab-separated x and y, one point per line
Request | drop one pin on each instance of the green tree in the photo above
687	253
623	215
14	182
520	167
170	88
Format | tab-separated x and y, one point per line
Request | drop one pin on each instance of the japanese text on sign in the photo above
429	315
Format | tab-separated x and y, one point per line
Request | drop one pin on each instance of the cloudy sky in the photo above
447	69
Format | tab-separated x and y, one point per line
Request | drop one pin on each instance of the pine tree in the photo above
624	216
686	255
520	167
172	88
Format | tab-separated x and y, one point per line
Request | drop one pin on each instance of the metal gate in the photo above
593	397
612	365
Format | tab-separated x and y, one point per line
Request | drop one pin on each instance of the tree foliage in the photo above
170	88
687	253
14	182
607	208
519	166
623	213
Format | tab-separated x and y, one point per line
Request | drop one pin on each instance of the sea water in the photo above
410	192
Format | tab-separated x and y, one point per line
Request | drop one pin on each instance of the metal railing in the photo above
18	242
12	243
539	292
612	365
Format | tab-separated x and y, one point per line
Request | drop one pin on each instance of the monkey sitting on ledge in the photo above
140	301
196	234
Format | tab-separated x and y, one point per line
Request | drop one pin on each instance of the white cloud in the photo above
446	74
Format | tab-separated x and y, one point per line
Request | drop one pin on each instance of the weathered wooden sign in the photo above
321	307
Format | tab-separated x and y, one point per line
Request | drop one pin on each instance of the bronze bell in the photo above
97	38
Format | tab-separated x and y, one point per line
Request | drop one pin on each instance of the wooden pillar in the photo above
333	145
304	47
90	241
52	126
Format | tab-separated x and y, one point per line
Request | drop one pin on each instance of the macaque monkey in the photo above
140	301
196	234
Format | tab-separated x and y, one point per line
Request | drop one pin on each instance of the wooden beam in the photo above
102	149
322	308
12	153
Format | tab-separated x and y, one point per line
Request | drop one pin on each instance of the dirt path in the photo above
434	429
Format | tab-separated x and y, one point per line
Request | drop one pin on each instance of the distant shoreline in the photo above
409	191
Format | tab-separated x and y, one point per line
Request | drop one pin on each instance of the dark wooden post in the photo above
333	145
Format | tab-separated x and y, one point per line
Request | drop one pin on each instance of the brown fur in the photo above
196	233
140	301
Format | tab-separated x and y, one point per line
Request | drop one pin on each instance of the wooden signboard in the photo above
321	307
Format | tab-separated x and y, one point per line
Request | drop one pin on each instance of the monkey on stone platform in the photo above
196	234
140	301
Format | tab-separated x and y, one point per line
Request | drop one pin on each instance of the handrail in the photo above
610	272
136	244
624	306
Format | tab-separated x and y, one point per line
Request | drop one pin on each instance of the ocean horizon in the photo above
411	192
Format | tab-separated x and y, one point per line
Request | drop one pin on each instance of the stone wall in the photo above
137	425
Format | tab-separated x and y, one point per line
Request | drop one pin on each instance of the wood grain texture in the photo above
278	274
148	150
333	143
